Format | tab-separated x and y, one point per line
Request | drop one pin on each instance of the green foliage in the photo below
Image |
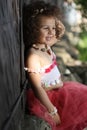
83	8
83	40
83	4
82	46
83	54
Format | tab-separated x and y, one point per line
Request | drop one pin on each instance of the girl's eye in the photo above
45	28
54	28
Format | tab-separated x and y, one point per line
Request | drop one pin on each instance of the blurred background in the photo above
71	53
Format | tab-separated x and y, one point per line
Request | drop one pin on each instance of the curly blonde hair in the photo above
31	15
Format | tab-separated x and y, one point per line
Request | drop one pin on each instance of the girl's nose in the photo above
51	31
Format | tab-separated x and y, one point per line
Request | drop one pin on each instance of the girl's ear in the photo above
60	29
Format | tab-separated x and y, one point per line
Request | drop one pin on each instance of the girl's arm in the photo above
43	98
35	80
39	91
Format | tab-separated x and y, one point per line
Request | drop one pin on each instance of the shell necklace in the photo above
45	49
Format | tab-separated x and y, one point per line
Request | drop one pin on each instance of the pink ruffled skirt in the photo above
71	102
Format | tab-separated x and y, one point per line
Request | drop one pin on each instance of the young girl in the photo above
62	105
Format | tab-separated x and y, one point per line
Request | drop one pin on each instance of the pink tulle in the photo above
71	102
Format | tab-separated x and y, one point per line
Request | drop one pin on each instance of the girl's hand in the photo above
60	85
56	118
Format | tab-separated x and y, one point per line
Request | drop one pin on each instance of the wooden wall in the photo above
11	65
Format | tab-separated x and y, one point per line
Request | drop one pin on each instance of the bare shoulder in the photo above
33	60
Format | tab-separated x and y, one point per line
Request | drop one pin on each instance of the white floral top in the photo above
50	74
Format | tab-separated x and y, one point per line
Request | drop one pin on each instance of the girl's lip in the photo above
49	38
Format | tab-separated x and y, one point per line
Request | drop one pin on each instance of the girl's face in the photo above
47	31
